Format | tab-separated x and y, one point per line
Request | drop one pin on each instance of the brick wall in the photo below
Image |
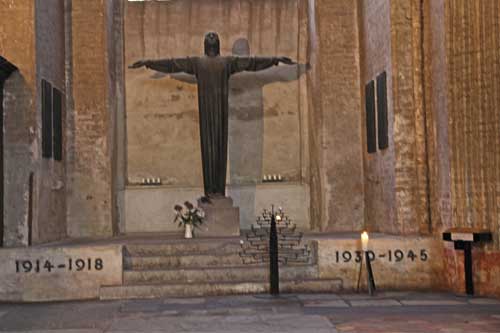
89	151
472	37
337	199
473	53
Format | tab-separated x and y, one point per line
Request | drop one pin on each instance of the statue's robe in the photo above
212	75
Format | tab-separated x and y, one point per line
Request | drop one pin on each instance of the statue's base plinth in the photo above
221	218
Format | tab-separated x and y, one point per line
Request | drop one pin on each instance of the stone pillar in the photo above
337	197
397	178
50	180
90	146
409	117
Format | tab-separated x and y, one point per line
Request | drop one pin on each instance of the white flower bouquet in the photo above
189	214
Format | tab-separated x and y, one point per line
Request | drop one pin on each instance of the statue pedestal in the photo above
221	218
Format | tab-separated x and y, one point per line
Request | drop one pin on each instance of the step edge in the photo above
336	280
215	268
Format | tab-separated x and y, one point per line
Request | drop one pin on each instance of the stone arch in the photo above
6	69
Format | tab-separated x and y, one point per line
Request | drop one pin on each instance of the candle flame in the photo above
364	241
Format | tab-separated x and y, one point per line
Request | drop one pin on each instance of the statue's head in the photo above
212	44
241	47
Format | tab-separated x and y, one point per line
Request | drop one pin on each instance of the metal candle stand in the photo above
274	239
464	239
370	280
369	275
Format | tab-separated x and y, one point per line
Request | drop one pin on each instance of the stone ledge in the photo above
55	274
150	208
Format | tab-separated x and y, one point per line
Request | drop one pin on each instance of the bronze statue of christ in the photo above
212	72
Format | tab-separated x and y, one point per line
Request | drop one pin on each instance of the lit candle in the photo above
274	177
265	178
364	241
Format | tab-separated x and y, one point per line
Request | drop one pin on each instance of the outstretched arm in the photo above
284	73
254	64
167	65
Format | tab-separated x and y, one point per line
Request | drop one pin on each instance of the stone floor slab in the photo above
290	313
431	302
55	331
184	301
318	297
484	301
374	303
423	322
326	304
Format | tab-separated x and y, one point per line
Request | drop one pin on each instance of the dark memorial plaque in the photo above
46	119
383	130
371	136
57	123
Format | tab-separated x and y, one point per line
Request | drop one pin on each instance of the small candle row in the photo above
151	181
273	178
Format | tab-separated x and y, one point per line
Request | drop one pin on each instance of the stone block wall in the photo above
398	262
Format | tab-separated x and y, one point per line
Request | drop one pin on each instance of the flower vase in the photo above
188	231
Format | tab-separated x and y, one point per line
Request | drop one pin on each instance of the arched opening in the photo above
6	68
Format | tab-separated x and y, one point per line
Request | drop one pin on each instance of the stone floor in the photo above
386	312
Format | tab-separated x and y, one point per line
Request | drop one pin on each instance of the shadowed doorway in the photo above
6	68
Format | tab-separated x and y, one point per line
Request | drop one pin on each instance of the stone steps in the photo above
217	274
176	261
203	267
216	289
180	248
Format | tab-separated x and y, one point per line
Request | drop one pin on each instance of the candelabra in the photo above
274	239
